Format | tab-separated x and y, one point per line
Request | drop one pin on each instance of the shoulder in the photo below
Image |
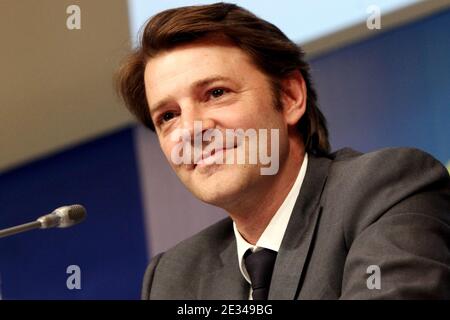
194	255
365	187
386	167
392	159
210	239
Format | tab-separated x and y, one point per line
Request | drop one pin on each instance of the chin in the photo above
222	185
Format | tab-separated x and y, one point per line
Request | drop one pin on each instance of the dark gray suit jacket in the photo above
389	208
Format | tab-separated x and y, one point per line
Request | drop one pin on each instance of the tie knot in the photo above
259	266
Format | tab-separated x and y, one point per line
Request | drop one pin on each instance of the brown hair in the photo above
268	47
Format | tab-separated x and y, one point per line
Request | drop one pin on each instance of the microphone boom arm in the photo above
20	228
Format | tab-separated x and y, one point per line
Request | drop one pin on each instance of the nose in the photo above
195	122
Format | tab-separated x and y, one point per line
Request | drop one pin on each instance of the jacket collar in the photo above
290	263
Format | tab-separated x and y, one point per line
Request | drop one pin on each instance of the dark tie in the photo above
259	267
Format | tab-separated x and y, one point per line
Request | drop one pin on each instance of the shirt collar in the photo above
273	234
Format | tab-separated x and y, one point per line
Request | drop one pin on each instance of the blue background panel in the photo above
109	246
390	90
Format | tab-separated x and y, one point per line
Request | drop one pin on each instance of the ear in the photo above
293	97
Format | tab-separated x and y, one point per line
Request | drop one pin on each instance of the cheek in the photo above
245	115
167	147
234	120
260	119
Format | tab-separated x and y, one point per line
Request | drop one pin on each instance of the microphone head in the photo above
70	215
63	217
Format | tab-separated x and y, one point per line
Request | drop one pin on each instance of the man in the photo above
318	225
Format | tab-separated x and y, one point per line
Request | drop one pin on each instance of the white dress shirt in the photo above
273	234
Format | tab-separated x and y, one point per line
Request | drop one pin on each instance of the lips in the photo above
208	158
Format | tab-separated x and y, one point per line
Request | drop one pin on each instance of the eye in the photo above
217	92
166	116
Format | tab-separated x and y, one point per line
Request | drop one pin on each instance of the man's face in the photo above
217	84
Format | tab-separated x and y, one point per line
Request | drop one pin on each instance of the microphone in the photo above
61	217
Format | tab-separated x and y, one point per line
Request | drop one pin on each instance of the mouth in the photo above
216	156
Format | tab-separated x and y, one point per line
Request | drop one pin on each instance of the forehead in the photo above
193	62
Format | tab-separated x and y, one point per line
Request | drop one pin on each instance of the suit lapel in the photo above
289	266
225	282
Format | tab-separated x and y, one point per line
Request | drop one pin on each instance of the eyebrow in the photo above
194	87
205	82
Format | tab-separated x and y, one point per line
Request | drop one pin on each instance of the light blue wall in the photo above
300	20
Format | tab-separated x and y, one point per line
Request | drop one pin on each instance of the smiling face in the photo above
216	83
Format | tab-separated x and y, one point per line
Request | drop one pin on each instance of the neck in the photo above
264	201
